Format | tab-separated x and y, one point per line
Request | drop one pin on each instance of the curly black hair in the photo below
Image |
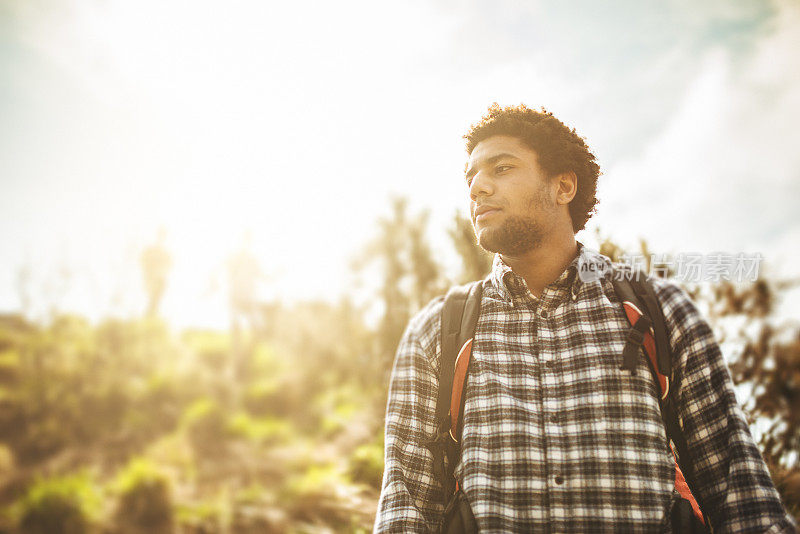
559	149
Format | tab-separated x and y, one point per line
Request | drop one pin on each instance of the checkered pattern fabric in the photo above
557	438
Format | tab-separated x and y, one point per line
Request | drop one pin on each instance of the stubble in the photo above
520	233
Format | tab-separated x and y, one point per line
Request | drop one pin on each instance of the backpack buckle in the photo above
630	354
437	448
635	337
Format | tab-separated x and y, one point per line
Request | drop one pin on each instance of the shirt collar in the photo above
512	286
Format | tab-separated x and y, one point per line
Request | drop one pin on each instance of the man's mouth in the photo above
485	211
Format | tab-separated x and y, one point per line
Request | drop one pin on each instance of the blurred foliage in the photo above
126	426
63	505
366	463
410	274
205	423
768	362
144	502
260	430
476	262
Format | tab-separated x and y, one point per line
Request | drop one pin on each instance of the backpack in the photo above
648	330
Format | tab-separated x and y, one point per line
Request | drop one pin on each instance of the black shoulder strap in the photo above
459	317
647	296
637	288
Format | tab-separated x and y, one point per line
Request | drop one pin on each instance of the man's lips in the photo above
484	211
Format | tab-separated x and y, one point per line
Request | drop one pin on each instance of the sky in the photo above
295	123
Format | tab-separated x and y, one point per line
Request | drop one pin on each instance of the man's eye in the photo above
502	168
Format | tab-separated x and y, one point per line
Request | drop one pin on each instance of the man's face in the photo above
513	205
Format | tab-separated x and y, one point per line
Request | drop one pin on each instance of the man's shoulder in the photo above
674	299
670	293
425	326
427	319
679	309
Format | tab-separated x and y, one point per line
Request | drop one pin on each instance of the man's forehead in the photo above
496	147
500	144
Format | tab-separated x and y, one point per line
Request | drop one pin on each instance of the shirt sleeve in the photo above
732	482
410	498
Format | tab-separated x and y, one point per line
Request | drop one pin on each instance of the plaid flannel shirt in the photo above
557	438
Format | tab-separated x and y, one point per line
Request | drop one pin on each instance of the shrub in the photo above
63	505
9	366
263	430
366	464
206	426
212	349
324	495
145	503
200	517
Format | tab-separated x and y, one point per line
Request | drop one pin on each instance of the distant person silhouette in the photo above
244	273
156	264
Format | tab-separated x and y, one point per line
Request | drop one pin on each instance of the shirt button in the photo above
543	313
559	479
554	418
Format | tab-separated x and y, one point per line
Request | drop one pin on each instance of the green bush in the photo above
366	464
339	407
267	396
64	505
212	349
262	430
145	503
199	517
207	427
322	494
9	366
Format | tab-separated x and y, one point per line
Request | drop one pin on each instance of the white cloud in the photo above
723	173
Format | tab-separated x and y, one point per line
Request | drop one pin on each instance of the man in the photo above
557	437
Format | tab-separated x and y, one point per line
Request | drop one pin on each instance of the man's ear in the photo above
567	183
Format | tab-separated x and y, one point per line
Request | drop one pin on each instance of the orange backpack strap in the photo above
457	393
649	331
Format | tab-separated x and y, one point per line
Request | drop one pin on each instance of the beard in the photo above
518	234
515	236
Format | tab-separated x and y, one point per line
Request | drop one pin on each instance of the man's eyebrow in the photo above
472	171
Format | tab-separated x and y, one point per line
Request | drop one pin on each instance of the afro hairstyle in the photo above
559	149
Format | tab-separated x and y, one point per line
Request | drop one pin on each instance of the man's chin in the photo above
486	242
495	244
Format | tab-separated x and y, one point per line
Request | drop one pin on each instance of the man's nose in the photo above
481	185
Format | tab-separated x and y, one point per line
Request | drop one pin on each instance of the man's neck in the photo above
544	264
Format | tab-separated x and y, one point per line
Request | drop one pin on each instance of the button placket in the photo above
551	399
